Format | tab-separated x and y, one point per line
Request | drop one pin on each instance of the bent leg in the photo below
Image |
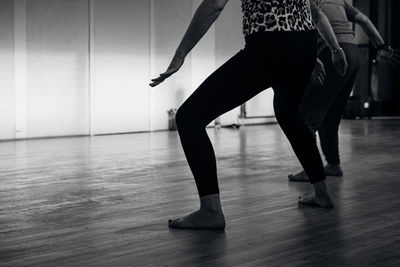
231	85
228	87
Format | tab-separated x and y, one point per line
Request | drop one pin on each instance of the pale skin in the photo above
210	214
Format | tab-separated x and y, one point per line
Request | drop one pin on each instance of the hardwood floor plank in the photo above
105	201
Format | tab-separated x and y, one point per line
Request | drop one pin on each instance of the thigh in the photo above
239	79
335	111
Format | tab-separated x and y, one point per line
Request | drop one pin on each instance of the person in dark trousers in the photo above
324	101
280	52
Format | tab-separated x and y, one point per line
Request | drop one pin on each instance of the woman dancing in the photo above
280	52
324	103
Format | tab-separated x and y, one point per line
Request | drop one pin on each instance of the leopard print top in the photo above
276	15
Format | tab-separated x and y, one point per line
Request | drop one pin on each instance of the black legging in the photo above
281	60
322	106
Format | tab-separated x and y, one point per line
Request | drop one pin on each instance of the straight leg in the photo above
322	107
304	144
319	99
328	131
289	91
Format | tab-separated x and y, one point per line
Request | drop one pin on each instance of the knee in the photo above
180	118
285	108
286	115
290	120
185	119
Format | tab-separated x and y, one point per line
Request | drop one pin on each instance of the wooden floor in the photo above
105	201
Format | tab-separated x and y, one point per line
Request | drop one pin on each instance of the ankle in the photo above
321	189
211	203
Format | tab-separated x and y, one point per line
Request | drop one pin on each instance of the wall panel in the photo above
121	53
57	43
7	98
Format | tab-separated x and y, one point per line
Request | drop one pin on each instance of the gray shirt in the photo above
341	15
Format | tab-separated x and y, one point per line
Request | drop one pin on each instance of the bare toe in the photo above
311	200
172	223
200	219
307	199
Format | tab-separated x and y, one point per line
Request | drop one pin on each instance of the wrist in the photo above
382	47
180	54
336	50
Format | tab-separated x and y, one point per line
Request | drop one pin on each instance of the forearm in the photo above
370	29
204	17
326	31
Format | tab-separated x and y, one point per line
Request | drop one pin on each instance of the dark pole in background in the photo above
395	42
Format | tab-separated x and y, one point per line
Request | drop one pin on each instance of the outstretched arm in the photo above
325	30
369	28
384	51
204	17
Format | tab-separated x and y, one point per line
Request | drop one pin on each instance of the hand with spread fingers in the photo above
318	75
339	61
389	54
174	66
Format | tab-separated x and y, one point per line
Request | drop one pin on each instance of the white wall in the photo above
7	100
78	67
121	52
57	41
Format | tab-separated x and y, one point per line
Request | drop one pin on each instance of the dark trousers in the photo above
322	106
281	60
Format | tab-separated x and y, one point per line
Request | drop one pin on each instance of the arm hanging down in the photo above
325	30
206	14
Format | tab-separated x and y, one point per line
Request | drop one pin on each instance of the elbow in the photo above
317	16
362	19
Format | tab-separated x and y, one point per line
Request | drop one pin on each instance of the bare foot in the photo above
320	198
330	170
300	177
209	216
201	219
333	170
312	200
